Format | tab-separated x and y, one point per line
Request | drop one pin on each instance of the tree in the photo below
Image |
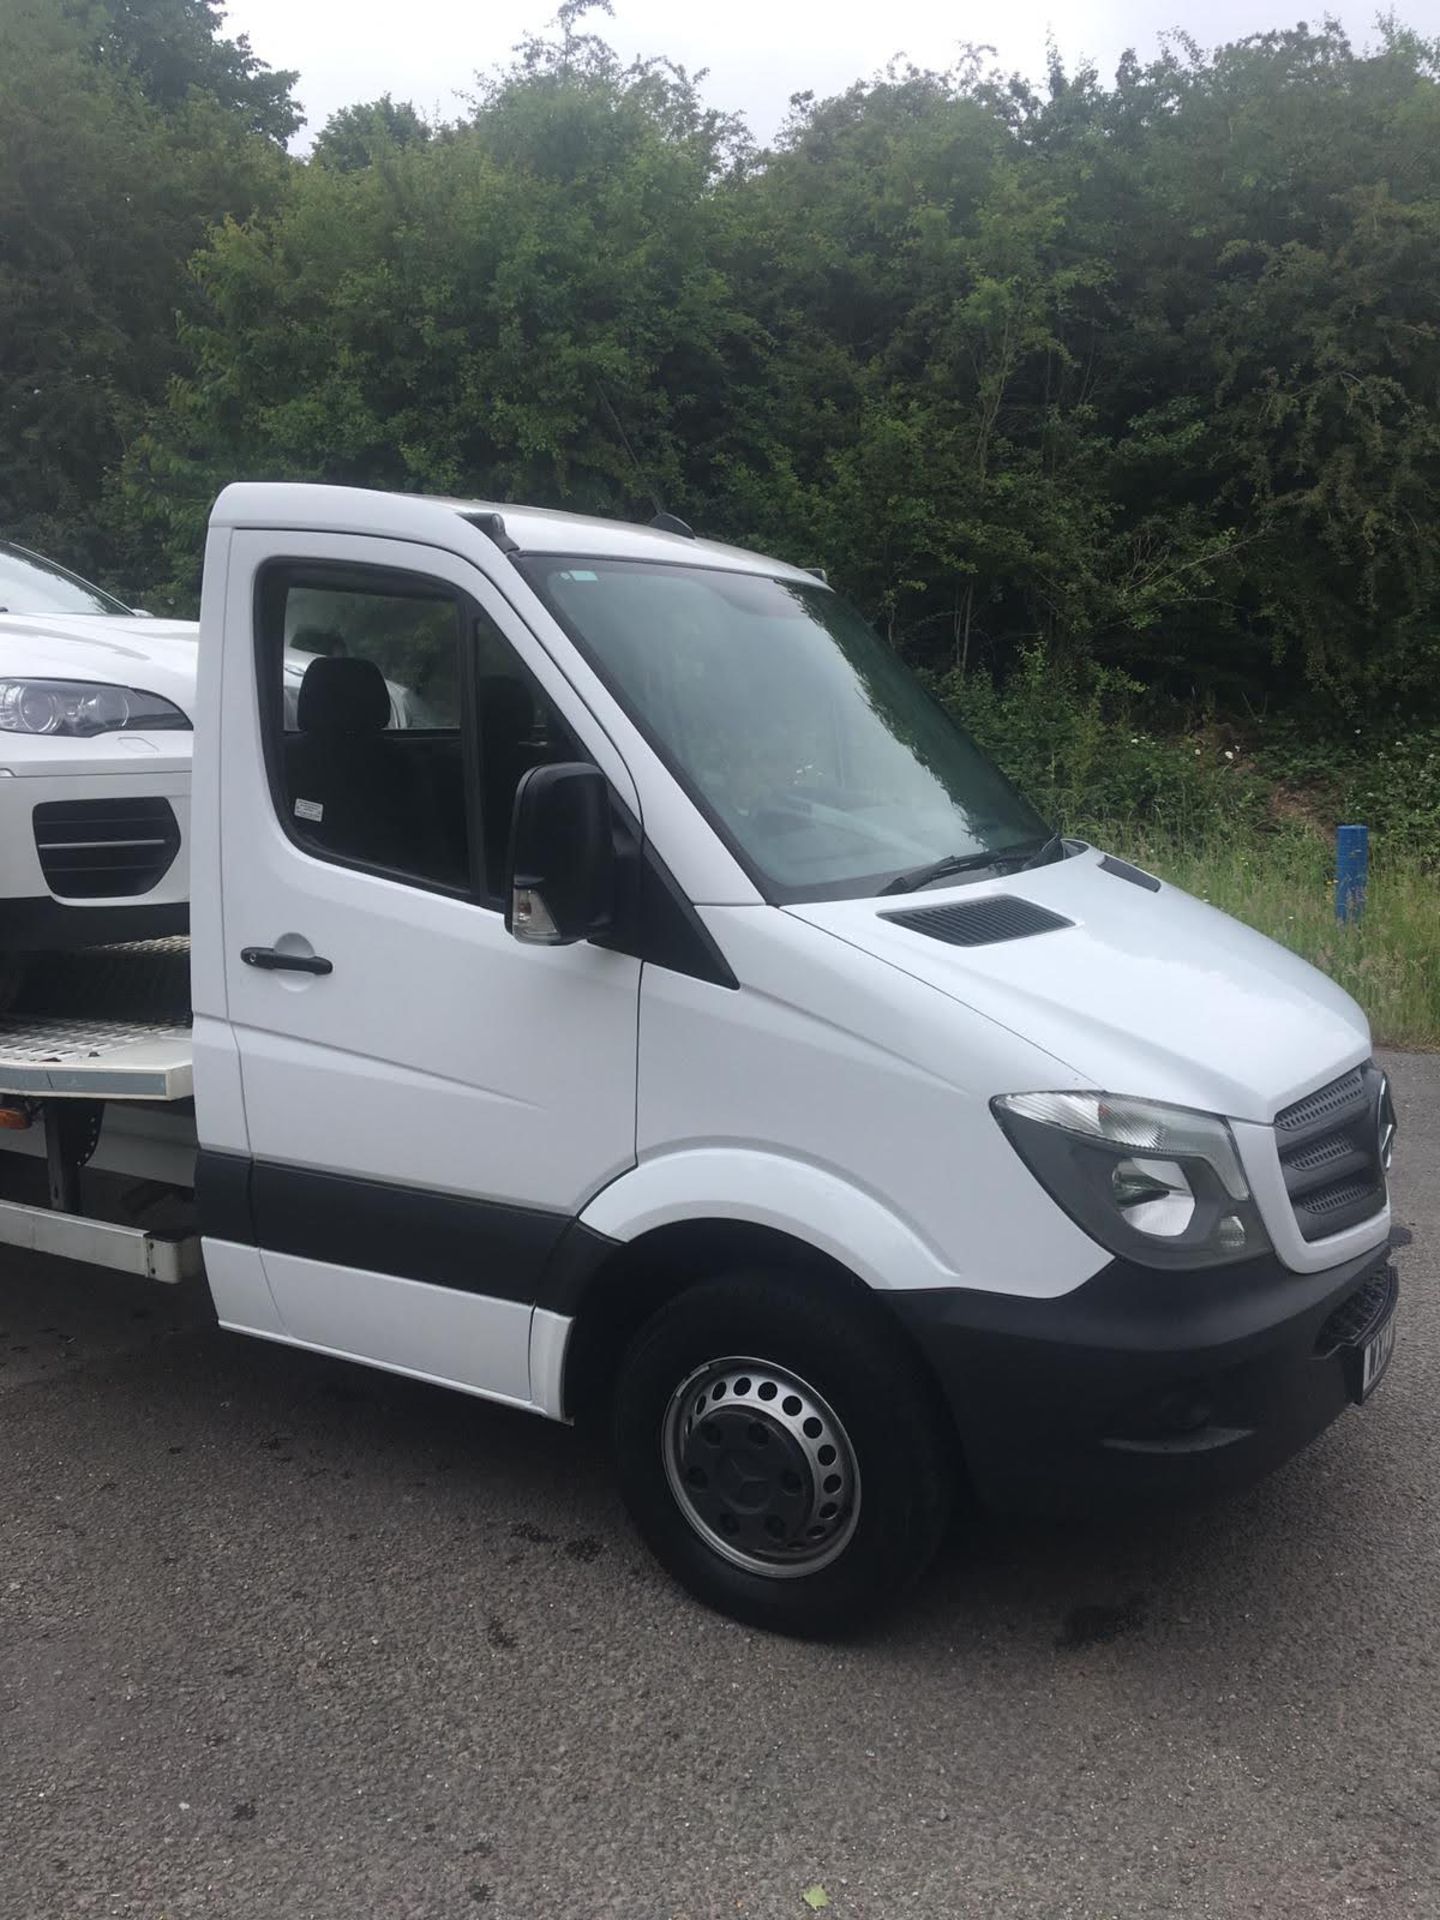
174	49
103	197
1140	375
357	136
527	307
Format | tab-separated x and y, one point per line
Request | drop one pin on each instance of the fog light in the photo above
1183	1412
1230	1234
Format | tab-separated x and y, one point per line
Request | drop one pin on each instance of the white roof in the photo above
535	529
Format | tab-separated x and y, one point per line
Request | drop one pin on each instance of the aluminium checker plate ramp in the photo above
95	1059
131	1043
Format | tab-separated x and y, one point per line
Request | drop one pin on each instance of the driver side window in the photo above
400	723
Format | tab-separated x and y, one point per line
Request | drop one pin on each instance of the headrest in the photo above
343	696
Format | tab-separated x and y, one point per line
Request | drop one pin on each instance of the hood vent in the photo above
1123	870
980	923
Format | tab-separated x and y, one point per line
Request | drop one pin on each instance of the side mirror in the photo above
561	881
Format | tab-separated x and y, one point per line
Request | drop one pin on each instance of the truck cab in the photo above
619	991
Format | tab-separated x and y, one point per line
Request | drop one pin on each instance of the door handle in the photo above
271	960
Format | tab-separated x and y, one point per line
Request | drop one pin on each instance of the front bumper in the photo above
32	915
1142	1385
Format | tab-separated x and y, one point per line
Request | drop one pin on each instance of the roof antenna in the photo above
663	522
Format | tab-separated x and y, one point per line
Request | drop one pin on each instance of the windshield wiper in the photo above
1009	860
939	870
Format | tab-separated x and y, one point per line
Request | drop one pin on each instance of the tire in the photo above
758	1381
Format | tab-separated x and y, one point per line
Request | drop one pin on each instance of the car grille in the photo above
1330	1152
105	849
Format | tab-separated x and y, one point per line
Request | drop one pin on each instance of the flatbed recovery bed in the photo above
95	1060
130	1039
109	1086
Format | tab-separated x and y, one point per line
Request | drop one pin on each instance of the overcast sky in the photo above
758	52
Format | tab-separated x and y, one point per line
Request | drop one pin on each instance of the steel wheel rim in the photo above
761	1468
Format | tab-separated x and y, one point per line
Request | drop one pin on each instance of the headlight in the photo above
77	709
1160	1185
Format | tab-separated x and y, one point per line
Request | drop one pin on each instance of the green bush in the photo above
1385	776
1072	737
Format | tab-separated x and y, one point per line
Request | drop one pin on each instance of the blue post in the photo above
1352	871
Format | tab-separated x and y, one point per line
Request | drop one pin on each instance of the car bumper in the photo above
1143	1385
34	914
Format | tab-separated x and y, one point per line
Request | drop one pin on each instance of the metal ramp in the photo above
132	1042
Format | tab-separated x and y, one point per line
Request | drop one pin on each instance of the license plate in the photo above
1376	1358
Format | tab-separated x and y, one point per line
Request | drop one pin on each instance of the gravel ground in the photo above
288	1640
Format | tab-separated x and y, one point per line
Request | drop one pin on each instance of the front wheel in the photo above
782	1452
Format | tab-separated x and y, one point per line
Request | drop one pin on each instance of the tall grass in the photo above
1283	884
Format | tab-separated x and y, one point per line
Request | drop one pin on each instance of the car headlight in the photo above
77	709
1160	1185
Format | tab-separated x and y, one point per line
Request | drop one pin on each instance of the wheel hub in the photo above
761	1467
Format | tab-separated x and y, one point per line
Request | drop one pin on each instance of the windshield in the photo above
29	584
808	742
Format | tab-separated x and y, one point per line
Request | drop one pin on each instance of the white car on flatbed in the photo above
96	705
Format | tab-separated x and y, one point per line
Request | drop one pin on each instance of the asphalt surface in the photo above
281	1639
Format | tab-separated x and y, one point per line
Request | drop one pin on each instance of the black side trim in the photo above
576	1258
670	933
43	925
654	919
222	1196
474	1246
1123	870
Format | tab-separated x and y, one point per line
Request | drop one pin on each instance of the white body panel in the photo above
240	1290
1153	994
450	1339
846	1103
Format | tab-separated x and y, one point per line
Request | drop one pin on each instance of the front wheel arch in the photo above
642	1275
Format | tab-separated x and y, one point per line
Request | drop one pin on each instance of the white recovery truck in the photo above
671	1014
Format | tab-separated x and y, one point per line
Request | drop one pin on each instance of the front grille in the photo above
1330	1153
1359	1315
105	849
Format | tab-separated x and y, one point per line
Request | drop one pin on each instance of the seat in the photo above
349	788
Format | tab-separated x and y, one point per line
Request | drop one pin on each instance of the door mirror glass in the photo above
562	856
